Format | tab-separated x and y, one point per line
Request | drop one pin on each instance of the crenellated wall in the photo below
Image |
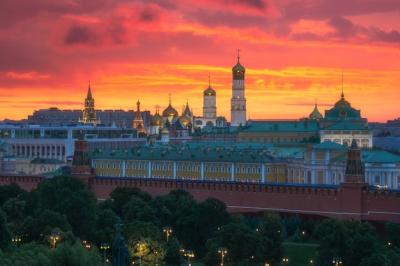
347	201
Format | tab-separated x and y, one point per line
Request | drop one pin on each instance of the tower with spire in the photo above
89	113
138	122
354	167
238	101
209	102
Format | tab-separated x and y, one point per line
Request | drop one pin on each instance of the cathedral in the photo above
340	124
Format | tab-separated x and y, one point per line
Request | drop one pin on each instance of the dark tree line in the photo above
65	208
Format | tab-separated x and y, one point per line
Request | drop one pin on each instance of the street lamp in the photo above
285	260
16	240
141	247
167	231
54	238
188	254
222	252
337	261
104	247
86	244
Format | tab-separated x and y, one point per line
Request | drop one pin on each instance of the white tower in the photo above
209	102
238	101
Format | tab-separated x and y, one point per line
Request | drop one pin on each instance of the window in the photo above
377	180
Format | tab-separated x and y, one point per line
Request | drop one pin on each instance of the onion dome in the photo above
238	70
156	120
209	91
315	114
184	120
170	111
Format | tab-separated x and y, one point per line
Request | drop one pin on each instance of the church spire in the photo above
342	95
89	92
89	113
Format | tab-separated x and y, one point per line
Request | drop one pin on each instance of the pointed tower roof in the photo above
354	167
187	112
89	93
316	114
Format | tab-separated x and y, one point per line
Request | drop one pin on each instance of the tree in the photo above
270	230
149	252
27	255
332	237
43	222
393	234
121	195
138	209
244	245
75	254
5	235
172	252
195	229
174	206
105	222
11	191
138	230
69	197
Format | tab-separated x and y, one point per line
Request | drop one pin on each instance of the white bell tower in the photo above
238	101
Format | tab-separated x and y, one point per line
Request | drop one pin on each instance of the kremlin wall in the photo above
321	165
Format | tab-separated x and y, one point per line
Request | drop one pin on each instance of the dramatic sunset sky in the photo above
294	52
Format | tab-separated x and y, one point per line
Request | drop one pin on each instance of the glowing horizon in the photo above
294	53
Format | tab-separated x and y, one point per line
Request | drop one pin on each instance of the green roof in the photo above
281	126
329	145
379	156
182	153
347	125
342	110
372	156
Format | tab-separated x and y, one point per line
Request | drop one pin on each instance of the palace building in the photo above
312	164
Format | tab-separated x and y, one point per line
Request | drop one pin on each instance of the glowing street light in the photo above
167	231
54	238
141	247
337	261
188	254
16	240
86	244
222	252
285	260
104	247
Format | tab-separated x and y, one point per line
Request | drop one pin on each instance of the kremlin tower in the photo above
89	113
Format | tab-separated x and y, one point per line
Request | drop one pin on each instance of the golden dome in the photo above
156	120
209	91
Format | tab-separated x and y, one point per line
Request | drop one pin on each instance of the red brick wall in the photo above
345	202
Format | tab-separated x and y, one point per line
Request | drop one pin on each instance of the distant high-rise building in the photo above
89	113
238	101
